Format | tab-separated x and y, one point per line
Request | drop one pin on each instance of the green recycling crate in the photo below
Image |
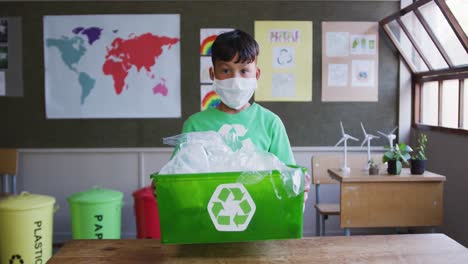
229	207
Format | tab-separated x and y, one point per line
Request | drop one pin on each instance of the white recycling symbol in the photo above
231	207
238	131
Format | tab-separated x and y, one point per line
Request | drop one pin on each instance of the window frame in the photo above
453	72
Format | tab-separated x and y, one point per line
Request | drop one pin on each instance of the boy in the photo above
235	74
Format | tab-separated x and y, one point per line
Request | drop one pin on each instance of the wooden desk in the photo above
421	248
389	200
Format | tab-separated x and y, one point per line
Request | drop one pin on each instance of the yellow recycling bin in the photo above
26	228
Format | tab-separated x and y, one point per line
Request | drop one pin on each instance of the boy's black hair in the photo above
230	43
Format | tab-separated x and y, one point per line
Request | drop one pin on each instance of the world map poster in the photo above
112	66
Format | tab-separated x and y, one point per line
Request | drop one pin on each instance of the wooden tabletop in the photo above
360	175
420	248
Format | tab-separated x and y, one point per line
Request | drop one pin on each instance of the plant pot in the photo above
394	167
418	166
373	171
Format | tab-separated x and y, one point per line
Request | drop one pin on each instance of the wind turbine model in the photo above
367	138
390	136
345	138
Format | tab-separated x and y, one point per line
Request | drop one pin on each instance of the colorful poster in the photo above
112	66
3	31
209	98
207	37
3	58
350	61
205	65
2	84
285	61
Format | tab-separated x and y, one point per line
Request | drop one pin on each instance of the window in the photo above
430	103
430	36
464	110
446	36
458	8
449	107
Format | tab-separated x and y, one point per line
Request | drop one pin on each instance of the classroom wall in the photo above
60	157
318	127
447	155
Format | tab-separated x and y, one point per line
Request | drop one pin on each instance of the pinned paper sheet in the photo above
363	73
283	85
205	65
2	84
283	57
337	44
3	31
3	57
209	98
337	75
363	44
207	37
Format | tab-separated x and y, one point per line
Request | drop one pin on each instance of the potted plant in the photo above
394	157
418	161
373	167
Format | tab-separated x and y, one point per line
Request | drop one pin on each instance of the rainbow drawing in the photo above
211	99
205	46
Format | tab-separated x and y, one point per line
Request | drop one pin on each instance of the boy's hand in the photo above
153	185
307	181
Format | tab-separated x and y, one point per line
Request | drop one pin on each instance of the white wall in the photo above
62	172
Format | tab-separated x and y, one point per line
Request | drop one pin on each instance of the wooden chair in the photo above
8	169
320	165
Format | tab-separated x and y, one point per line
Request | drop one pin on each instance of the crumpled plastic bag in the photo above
207	152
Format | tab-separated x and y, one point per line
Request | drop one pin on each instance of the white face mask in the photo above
235	92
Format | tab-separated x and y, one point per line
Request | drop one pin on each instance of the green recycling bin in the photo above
96	214
229	206
26	222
